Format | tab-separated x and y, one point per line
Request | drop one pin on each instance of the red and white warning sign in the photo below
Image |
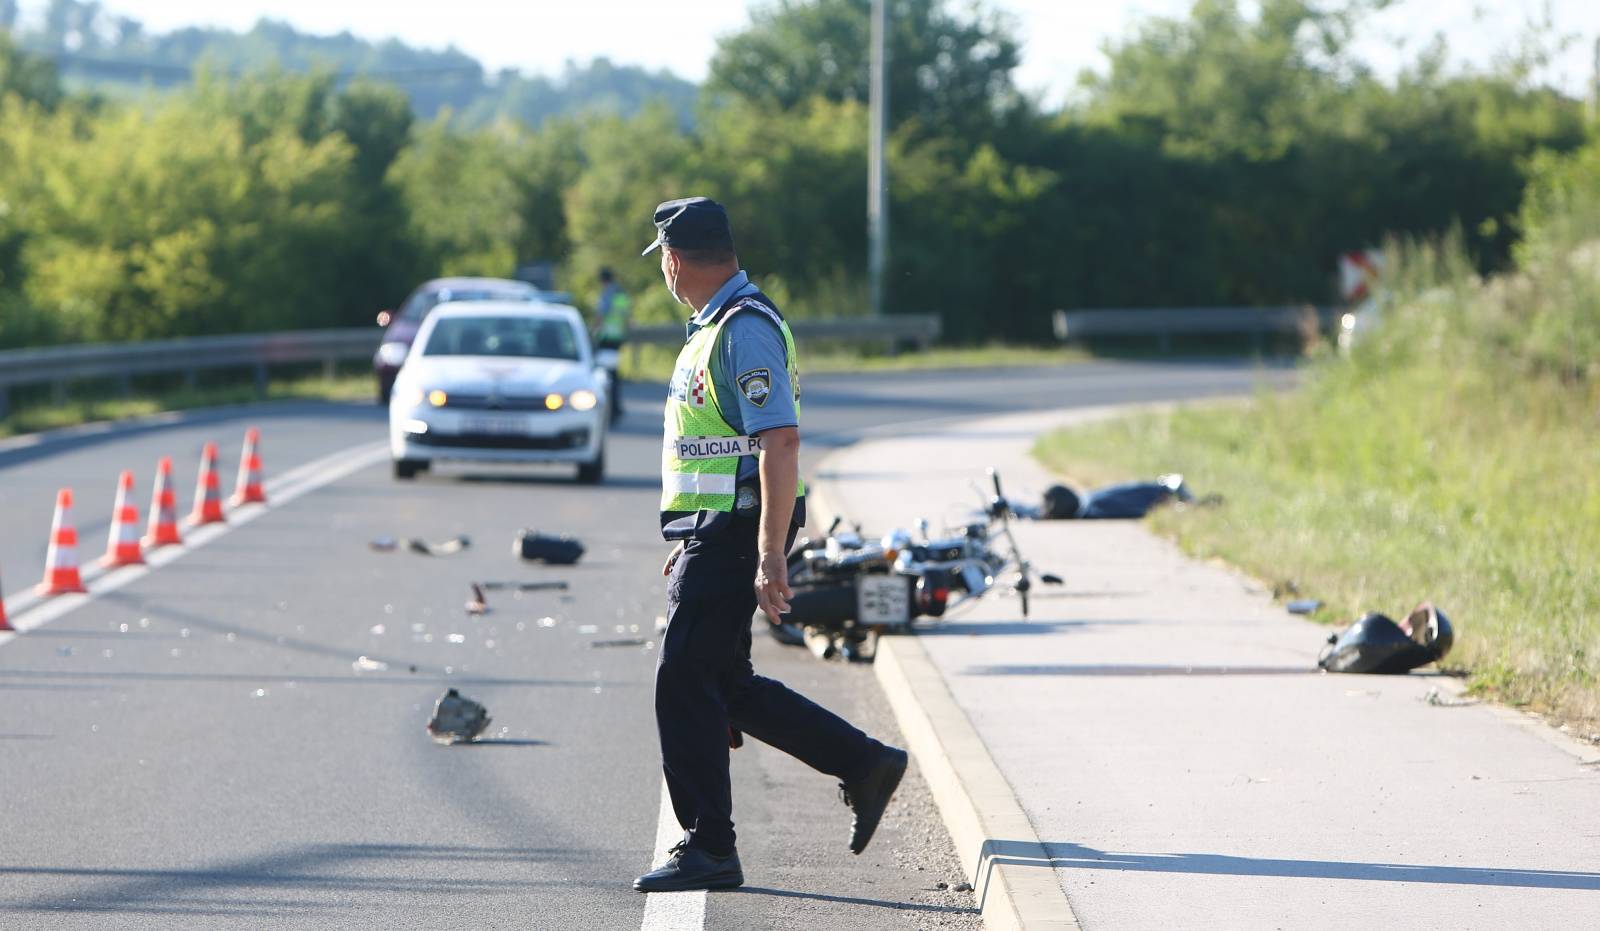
1359	274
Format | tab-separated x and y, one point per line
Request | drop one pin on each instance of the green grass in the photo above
31	416
1376	489
654	363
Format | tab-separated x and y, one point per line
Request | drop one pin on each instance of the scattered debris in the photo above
554	550
368	664
941	886
447	548
1304	606
1050	578
523	586
963	887
457	719
1441	700
1376	644
476	604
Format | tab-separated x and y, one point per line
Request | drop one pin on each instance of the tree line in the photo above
1225	157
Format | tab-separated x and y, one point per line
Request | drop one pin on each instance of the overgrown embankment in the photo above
1453	456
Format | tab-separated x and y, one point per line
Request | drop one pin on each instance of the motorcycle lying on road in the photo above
849	590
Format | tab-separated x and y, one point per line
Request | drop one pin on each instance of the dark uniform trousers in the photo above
706	684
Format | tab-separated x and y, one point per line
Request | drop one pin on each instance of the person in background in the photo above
611	331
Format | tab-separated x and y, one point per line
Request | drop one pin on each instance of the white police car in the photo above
493	381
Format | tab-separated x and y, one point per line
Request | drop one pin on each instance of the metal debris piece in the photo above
368	664
447	548
624	642
554	550
556	586
1440	700
383	544
457	719
476	604
963	887
1304	606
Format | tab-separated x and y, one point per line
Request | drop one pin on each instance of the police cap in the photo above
691	223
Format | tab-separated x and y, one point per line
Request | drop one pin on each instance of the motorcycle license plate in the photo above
883	599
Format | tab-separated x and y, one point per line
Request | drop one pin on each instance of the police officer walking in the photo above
732	499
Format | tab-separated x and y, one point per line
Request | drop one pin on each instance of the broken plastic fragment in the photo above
457	719
383	544
1304	606
447	548
554	550
476	604
368	664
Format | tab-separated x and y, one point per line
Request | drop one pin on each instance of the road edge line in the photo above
994	839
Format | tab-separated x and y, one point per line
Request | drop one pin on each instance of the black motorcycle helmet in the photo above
1430	627
1061	503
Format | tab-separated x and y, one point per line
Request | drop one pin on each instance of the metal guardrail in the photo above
1165	323
920	330
59	365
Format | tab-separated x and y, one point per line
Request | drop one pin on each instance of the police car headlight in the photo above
438	398
554	402
393	353
411	397
583	400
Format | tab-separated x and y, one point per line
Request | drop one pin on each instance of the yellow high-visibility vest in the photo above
700	450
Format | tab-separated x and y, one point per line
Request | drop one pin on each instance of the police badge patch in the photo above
756	385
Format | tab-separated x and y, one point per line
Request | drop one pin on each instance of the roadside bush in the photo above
1452	457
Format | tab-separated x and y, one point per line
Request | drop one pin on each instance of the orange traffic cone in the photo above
163	529
122	549
207	491
4	624
248	489
61	560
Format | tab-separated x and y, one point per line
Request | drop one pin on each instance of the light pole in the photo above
877	177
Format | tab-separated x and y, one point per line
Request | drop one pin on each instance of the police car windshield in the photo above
525	337
418	306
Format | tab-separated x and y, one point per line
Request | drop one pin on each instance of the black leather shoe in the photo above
869	795
690	868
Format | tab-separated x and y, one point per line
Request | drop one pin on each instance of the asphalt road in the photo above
196	748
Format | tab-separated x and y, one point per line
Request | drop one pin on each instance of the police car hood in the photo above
511	376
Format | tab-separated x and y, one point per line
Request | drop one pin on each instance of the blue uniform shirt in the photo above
750	356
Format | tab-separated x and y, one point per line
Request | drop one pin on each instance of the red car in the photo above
402	325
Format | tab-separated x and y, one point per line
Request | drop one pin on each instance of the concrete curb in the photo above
1009	868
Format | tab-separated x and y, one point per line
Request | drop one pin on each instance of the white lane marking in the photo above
28	610
671	911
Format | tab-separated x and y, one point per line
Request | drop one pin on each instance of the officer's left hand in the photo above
772	585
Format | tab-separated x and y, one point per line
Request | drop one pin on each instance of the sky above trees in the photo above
1062	37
